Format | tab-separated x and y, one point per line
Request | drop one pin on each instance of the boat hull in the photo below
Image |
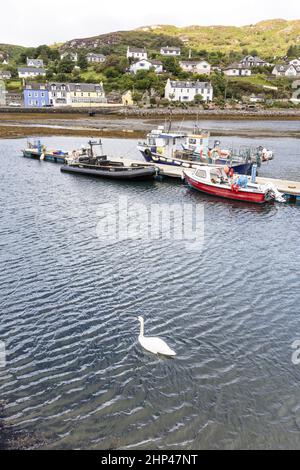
151	156
227	193
48	157
125	175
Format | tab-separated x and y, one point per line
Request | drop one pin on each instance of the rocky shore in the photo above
135	123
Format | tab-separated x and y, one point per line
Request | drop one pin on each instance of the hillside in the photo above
11	50
269	38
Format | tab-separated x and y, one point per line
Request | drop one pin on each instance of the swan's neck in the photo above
142	329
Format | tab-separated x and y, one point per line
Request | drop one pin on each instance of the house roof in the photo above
251	58
136	49
170	48
5	72
37	70
35	61
285	67
193	62
92	54
36	86
237	65
85	87
188	84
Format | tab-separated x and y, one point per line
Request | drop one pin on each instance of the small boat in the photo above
100	166
216	182
110	169
38	151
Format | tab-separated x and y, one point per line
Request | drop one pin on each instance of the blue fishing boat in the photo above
192	150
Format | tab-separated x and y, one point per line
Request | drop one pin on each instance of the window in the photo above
30	95
201	173
42	95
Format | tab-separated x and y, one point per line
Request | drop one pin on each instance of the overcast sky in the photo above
34	22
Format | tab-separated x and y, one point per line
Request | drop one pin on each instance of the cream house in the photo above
127	99
195	66
86	94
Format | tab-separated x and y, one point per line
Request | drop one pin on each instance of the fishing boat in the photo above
216	182
101	166
38	151
193	150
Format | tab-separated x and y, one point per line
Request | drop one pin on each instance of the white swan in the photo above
152	344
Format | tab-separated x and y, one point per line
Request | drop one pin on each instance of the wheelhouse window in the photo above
201	173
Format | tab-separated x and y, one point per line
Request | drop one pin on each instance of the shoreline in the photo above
117	112
34	124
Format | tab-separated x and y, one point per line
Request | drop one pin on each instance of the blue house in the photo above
36	95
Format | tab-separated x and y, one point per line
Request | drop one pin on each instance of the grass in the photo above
14	85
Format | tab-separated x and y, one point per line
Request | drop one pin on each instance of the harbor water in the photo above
75	374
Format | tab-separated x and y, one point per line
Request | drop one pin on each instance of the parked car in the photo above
15	105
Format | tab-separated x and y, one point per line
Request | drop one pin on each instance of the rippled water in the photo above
76	374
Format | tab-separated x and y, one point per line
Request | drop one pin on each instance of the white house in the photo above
58	94
146	64
136	53
34	62
5	75
237	70
186	91
254	61
295	62
95	58
31	72
170	51
286	70
73	56
195	66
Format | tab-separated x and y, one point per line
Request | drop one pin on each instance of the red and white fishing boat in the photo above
215	181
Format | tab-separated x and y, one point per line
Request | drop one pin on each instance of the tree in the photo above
66	65
171	65
137	96
82	62
198	99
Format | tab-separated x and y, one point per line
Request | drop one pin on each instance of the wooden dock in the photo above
291	189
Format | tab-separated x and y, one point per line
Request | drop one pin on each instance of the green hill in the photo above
270	38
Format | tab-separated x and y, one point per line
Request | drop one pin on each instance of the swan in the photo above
152	344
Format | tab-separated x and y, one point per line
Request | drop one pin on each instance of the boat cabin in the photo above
164	143
215	175
197	143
